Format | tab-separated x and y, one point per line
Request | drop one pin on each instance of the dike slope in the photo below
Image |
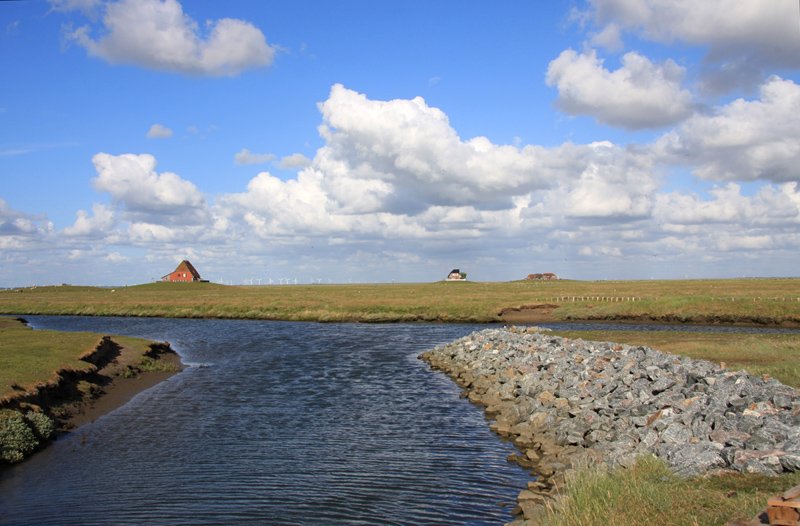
568	402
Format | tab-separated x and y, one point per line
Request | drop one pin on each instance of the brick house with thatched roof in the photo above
185	273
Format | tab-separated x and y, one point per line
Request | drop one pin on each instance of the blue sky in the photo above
362	141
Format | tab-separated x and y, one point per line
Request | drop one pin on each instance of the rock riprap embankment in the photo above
561	400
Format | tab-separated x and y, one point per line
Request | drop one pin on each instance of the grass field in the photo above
29	357
759	301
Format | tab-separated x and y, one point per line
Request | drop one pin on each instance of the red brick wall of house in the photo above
179	276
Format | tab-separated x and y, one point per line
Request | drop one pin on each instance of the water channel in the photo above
276	423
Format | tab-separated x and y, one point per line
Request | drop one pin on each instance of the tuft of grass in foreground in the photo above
648	493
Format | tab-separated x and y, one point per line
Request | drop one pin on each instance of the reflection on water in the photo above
285	423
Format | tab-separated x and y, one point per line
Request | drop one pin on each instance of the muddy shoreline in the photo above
118	391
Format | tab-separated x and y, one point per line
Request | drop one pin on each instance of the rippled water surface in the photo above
275	423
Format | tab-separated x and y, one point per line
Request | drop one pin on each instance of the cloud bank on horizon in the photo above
679	155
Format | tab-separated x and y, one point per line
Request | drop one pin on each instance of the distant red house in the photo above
184	273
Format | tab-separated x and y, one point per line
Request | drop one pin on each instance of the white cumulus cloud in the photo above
394	177
397	170
640	94
134	183
157	34
96	225
21	232
154	233
116	257
615	185
744	140
730	224
87	6
744	38
775	207
271	206
413	157
14	223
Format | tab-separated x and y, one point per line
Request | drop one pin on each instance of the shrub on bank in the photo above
43	426
17	439
149	364
21	435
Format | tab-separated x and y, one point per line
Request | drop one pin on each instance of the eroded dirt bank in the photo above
69	399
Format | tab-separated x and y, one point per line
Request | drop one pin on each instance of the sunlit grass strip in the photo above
648	493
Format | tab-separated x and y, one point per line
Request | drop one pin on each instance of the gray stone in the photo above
759	462
621	402
729	438
773	433
700	428
696	459
662	384
738	403
649	439
790	462
792	445
676	434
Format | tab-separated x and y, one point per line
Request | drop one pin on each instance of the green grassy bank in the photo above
758	301
30	358
63	365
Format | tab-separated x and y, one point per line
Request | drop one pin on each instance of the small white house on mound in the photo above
457	275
